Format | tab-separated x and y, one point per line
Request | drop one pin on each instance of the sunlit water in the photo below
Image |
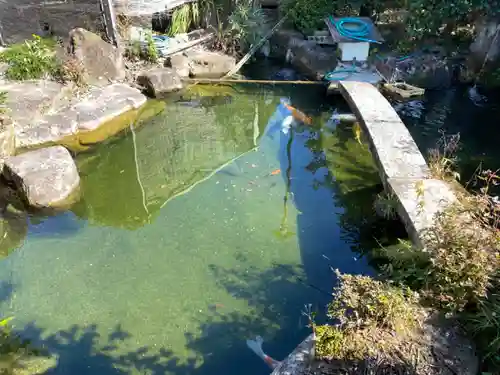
144	276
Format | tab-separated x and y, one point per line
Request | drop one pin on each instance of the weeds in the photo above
386	205
183	17
247	25
442	159
72	70
33	59
368	312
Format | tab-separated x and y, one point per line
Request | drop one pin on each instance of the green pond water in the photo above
195	232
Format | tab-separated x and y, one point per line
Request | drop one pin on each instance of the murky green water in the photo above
144	276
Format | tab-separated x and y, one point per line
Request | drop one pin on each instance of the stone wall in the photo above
19	19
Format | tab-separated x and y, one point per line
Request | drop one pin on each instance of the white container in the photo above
354	51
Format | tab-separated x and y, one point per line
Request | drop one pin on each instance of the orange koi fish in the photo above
275	172
298	115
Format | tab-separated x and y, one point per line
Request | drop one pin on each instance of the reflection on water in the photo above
451	112
126	284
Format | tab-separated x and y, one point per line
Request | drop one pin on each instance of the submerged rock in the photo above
160	81
47	178
102	61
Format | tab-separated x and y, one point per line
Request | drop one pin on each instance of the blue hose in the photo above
330	75
360	33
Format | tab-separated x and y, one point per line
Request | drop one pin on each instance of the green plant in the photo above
361	301
183	17
484	325
309	15
247	24
442	159
150	54
386	204
33	59
368	313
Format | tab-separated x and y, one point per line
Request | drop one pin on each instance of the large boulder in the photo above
204	64
180	63
101	61
100	106
312	60
160	81
47	178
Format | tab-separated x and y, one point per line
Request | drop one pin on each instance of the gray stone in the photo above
419	203
102	62
7	141
283	40
204	64
101	105
180	63
312	60
160	81
27	101
47	178
299	360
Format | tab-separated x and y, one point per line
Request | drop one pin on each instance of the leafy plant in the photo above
248	24
442	158
33	59
309	15
361	301
183	17
369	312
386	204
150	54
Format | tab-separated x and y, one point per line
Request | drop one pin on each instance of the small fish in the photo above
299	115
275	172
356	129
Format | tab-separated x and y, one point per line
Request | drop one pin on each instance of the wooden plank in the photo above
188	45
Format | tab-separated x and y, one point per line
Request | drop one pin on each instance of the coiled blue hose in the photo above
330	76
360	33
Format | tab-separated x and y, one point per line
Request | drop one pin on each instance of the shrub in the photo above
72	70
368	313
247	25
33	59
361	301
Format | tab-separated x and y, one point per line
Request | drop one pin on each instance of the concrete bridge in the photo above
403	171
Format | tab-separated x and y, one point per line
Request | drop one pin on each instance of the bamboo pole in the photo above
255	48
256	81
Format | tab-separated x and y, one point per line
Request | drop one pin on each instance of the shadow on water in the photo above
274	311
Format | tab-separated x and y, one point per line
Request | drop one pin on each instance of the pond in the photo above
450	112
196	231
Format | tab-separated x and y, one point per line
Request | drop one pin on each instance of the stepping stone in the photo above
47	178
100	106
